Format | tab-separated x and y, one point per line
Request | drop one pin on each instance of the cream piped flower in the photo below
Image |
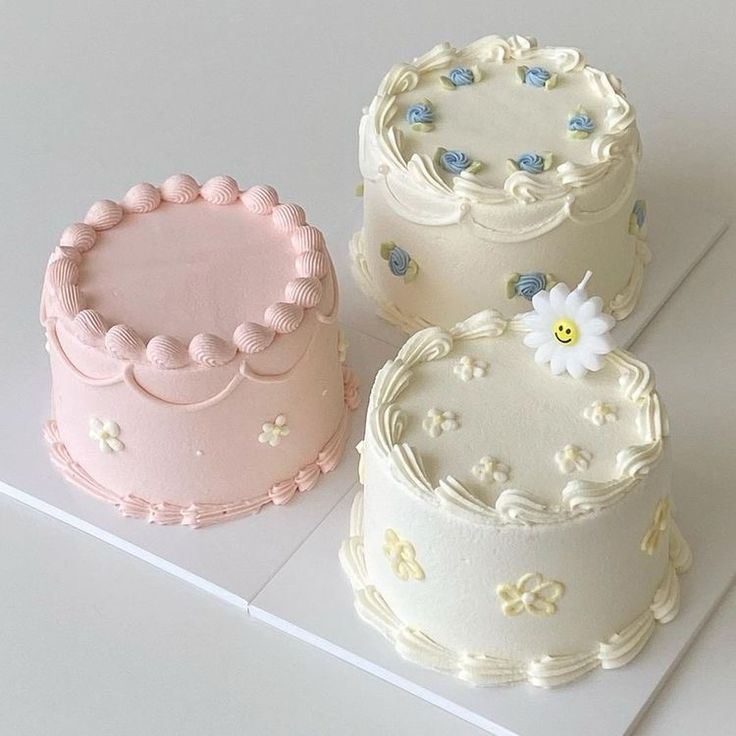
437	421
105	432
530	593
569	330
468	368
600	413
402	556
572	458
273	432
490	469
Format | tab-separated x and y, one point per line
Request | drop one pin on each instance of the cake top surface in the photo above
212	267
501	119
469	417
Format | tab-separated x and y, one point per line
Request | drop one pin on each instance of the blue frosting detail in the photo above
461	76
398	261
421	112
580	122
528	284
454	161
640	213
532	163
536	76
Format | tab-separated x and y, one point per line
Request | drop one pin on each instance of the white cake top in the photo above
471	418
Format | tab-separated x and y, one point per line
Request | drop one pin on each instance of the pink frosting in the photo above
70	299
220	190
284	317
63	271
166	352
104	214
260	199
288	217
210	350
180	189
313	263
306	292
123	342
80	235
250	337
306	238
142	198
89	327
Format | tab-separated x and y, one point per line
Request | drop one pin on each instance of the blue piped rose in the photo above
460	76
580	124
537	76
457	161
400	263
421	116
531	163
638	217
527	284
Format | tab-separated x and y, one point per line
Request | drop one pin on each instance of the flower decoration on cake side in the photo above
638	217
402	556
528	284
531	163
600	413
468	368
106	434
569	330
530	593
580	124
489	469
536	76
659	524
437	421
460	76
400	263
420	116
273	432
572	459
455	162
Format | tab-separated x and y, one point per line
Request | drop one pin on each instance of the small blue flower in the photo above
454	161
528	284
461	76
536	76
580	124
638	216
400	263
532	163
421	112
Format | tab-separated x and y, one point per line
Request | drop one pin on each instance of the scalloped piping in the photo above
483	669
384	428
621	306
207	351
197	515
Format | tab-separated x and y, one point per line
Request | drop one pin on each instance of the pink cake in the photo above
197	369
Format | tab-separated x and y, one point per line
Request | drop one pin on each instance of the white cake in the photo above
515	524
492	172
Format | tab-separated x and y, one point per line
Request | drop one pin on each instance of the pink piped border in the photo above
198	515
304	292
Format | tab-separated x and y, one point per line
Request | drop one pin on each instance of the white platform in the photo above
233	560
679	236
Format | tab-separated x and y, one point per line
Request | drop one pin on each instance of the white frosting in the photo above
527	562
477	229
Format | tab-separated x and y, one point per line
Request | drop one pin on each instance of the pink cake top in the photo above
182	274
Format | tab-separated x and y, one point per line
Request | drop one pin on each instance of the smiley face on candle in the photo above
565	331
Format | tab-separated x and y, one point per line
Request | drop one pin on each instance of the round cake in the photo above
196	363
493	172
515	524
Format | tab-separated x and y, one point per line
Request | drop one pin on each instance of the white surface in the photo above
95	99
233	560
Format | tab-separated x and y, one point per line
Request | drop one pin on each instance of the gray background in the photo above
98	96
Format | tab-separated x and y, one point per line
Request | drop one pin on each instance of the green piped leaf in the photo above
386	249
477	75
359	189
548	161
521	73
511	281
447	83
422	127
551	83
511	165
411	272
578	134
474	167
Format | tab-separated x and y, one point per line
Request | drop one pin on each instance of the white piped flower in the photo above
572	458
467	368
490	469
105	433
437	421
569	330
600	413
274	431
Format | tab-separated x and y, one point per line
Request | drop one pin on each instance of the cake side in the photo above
498	572
529	184
199	432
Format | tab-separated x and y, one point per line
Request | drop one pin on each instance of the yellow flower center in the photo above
565	331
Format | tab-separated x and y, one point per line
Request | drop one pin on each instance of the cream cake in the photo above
515	521
491	173
197	368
